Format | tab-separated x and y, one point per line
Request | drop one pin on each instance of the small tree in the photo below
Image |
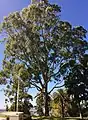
14	74
61	98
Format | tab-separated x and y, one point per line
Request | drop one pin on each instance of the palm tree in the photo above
60	96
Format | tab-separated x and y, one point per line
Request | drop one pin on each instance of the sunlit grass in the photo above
56	118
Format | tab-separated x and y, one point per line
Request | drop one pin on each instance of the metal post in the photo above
31	1
18	97
18	90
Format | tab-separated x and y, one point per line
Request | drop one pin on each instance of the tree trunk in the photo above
80	112
62	108
46	101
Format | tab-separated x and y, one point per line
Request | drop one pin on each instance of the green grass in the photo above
56	118
3	116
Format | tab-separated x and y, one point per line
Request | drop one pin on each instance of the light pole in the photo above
18	90
17	109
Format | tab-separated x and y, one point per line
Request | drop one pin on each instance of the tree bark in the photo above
46	101
62	108
80	111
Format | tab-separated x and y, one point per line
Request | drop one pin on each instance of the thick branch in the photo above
37	87
56	87
55	68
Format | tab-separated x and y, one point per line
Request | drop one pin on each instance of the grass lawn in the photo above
55	118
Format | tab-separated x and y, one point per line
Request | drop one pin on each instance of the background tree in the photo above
76	81
61	98
15	74
37	38
40	104
73	108
2	80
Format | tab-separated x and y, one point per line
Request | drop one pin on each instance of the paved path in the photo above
2	118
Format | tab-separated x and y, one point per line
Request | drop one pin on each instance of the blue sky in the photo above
74	11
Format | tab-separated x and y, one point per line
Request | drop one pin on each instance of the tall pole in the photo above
31	1
18	90
17	97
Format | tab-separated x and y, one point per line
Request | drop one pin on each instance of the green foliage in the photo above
16	72
24	106
40	105
2	79
76	82
61	102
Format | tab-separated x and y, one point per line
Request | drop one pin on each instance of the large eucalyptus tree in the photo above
37	38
